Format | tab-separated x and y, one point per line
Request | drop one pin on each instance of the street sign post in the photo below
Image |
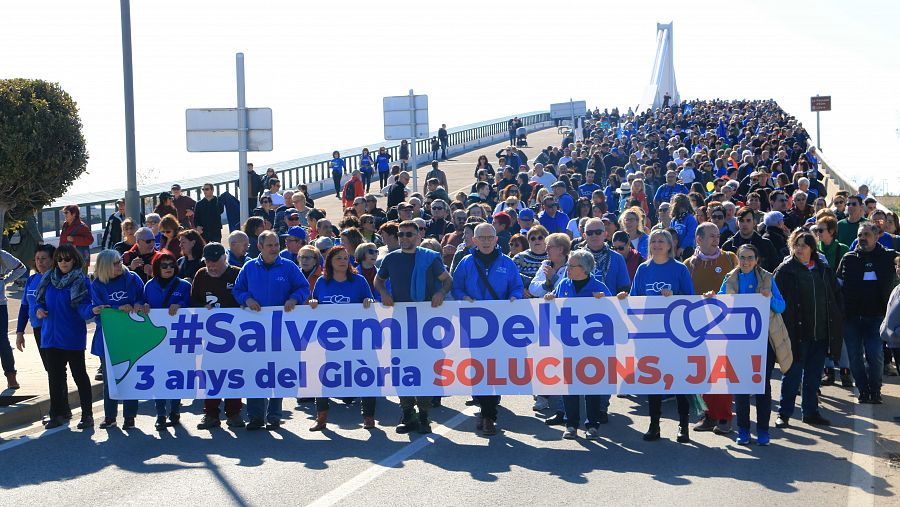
817	104
406	117
232	129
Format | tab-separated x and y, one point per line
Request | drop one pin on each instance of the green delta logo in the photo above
127	339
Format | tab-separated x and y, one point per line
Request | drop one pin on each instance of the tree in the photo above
42	149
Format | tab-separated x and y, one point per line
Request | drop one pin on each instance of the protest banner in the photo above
640	345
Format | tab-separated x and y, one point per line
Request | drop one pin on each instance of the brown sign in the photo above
820	103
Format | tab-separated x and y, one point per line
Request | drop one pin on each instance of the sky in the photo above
323	67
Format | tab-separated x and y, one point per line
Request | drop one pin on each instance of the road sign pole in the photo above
132	196
243	177
572	106
412	148
818	133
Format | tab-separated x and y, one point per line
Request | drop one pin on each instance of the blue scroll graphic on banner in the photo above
752	322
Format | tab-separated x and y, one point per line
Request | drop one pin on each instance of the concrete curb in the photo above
23	414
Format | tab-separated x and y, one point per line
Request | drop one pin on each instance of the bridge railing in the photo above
310	170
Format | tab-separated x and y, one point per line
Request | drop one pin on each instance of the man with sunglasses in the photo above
439	226
609	266
208	215
848	227
417	274
552	218
141	256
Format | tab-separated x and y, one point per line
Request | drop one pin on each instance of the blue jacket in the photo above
566	289
270	285
29	304
687	231
365	164
556	223
127	289
155	295
503	276
65	327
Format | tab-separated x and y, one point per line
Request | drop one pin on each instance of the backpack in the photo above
349	190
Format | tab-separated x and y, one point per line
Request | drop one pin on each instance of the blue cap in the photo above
526	214
297	232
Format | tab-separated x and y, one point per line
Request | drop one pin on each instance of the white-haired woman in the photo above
118	288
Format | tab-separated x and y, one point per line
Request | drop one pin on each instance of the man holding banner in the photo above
417	274
269	280
486	274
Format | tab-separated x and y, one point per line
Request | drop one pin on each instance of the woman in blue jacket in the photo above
43	262
578	283
165	290
749	278
685	223
340	284
118	288
337	171
383	163
64	307
661	275
366	168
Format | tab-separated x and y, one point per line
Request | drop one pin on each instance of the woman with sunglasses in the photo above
64	306
340	284
368	230
118	288
166	290
530	261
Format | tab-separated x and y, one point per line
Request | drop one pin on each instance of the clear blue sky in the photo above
324	66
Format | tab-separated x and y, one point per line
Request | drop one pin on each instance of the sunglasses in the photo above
536	238
65	259
264	201
619	248
371	251
718	217
852	204
407	234
166	265
594	232
438	208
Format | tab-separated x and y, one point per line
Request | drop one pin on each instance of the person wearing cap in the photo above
525	220
565	201
208	215
352	189
140	257
551	217
416	274
269	280
777	232
294	240
184	205
212	288
164	205
486	274
112	233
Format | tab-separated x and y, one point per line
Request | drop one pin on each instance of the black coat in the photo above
798	321
852	269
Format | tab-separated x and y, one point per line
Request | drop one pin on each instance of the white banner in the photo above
642	345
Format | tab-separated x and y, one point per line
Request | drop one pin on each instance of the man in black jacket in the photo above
208	215
867	277
397	191
769	256
112	233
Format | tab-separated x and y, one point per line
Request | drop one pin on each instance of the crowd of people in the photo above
701	198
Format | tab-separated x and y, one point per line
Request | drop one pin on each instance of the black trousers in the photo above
57	360
656	408
382	178
336	177
368	405
37	340
488	406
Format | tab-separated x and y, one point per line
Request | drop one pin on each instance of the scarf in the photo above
74	280
707	258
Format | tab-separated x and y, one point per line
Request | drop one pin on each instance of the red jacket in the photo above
78	230
358	191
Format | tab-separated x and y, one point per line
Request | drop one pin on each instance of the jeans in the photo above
763	401
264	408
861	336
444	143
656	408
594	405
6	351
174	407
232	407
434	154
488	406
808	371
336	177
57	359
844	361
111	406
557	405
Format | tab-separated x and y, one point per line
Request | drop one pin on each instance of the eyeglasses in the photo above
308	258
438	208
718	217
407	234
371	251
594	232
264	201
852	204
536	238
166	265
619	248
65	259
840	203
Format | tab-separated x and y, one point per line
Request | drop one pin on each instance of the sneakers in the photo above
782	422
684	435
556	420
743	437
541	403
816	420
723	427
368	423
407	427
652	434
235	421
570	434
762	438
160	423
107	423
99	375
175	419
424	427
209	422
705	424
592	434
255	424
472	402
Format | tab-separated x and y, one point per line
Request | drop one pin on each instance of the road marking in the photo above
344	490
30	433
862	472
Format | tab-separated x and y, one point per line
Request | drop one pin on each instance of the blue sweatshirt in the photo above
651	278
354	290
365	164
503	276
28	308
155	294
65	327
337	166
271	285
566	289
687	231
127	289
556	223
383	162
747	285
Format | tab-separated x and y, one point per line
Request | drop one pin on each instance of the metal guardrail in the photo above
291	173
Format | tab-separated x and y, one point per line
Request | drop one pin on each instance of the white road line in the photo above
862	473
34	431
344	490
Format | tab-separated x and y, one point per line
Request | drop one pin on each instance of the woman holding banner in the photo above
118	288
749	278
165	290
578	283
340	284
662	275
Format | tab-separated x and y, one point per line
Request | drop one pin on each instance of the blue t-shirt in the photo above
665	192
354	290
383	162
587	189
556	223
651	278
397	267
338	165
